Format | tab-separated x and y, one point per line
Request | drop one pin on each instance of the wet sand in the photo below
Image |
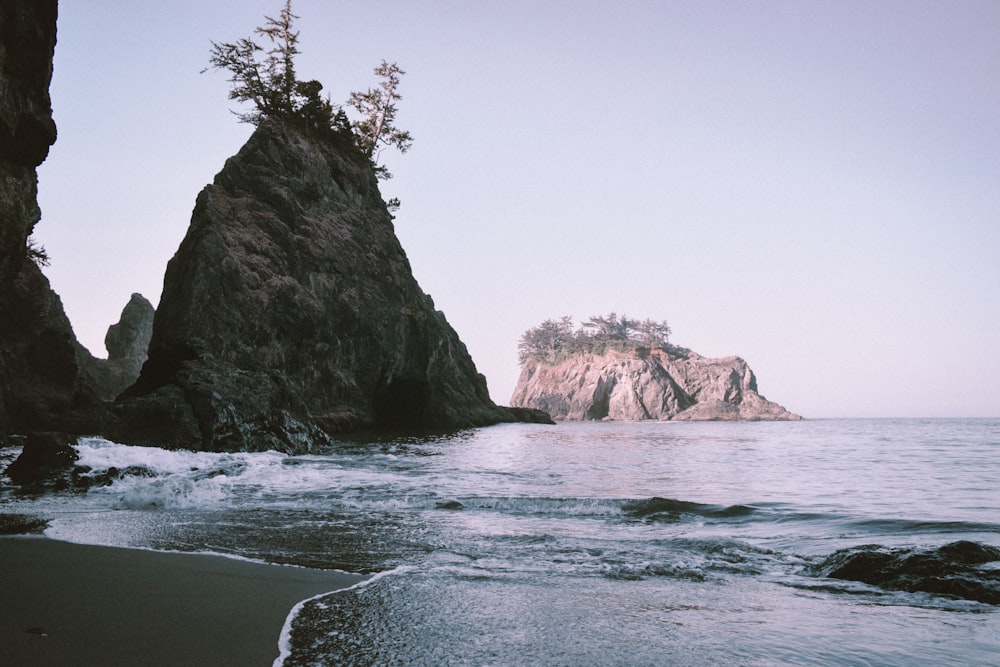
69	604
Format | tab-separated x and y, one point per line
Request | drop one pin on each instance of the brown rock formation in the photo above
645	384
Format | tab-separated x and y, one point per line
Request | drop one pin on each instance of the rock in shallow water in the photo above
953	569
45	457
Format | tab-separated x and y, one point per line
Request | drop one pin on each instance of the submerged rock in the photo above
640	384
290	312
450	505
953	569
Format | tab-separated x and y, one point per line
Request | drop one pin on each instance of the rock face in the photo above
290	312
128	340
645	384
43	369
127	343
40	360
27	41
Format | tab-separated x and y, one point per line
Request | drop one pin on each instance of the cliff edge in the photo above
290	312
639	384
40	360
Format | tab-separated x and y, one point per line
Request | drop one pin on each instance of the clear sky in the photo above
813	186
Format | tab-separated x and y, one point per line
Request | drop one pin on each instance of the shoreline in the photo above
69	604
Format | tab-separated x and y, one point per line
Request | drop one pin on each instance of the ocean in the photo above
588	543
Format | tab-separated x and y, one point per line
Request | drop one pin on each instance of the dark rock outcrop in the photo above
40	360
45	456
128	340
643	384
290	312
953	570
27	42
127	343
43	369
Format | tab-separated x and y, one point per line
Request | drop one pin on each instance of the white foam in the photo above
163	478
285	639
154	478
102	455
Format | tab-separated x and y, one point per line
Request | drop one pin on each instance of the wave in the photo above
147	478
132	477
285	638
694	559
651	509
537	506
894	526
669	509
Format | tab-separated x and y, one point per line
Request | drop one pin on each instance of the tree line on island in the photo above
554	341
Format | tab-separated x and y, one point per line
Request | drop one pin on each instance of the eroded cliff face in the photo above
27	42
645	384
127	343
40	359
290	312
41	363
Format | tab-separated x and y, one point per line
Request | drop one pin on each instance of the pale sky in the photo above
813	186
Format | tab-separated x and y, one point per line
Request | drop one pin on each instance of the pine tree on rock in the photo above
266	78
376	128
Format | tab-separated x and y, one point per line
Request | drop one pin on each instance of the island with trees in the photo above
615	367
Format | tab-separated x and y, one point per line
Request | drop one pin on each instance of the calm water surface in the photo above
584	544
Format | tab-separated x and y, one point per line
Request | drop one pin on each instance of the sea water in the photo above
582	543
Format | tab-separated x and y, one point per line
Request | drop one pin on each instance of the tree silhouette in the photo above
376	128
266	78
36	252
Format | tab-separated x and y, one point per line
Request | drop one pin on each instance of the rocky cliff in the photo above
645	384
27	42
290	312
40	361
127	343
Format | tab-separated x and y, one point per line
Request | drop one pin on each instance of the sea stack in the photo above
290	312
635	384
127	343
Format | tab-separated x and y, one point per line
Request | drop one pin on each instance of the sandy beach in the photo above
70	604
